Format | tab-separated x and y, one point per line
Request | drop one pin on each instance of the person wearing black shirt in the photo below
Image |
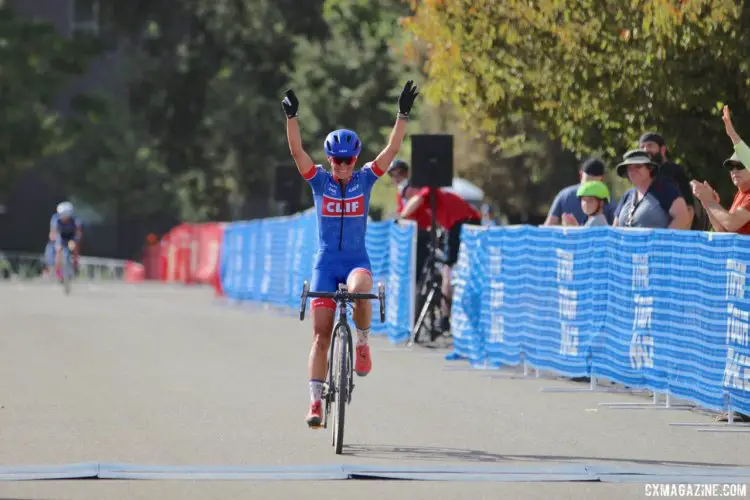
654	144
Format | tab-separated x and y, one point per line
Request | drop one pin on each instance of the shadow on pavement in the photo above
436	454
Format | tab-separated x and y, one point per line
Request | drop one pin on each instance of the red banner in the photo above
189	253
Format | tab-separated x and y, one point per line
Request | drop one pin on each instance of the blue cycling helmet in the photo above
342	143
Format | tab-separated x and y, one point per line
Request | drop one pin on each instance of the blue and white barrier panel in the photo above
268	260
662	310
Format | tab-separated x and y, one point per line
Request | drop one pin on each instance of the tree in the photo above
352	78
35	65
113	164
208	87
594	74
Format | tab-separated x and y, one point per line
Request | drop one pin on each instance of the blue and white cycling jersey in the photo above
342	212
342	226
66	230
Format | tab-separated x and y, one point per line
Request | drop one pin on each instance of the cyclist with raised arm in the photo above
342	199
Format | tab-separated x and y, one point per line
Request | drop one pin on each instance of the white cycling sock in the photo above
362	336
316	390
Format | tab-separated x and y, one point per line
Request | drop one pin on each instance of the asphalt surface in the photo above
153	376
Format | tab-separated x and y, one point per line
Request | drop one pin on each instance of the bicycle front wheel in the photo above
67	271
342	368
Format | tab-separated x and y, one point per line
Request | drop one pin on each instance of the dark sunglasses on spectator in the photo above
343	160
735	165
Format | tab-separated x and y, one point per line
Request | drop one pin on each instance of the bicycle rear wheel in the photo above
342	368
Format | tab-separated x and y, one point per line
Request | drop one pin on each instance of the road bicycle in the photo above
339	384
68	268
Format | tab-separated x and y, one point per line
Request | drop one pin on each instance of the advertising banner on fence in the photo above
663	310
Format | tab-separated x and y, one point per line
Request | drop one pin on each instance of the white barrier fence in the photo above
27	266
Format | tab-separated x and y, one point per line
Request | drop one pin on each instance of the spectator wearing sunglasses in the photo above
653	201
737	218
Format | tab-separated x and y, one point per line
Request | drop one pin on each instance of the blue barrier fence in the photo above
667	311
268	260
662	310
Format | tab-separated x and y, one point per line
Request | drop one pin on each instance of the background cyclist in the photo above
64	229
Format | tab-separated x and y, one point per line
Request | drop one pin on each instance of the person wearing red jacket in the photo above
398	171
451	213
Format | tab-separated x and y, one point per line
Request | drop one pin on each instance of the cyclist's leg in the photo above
323	311
76	253
49	257
58	256
359	280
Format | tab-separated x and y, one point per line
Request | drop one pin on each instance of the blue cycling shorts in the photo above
331	270
63	239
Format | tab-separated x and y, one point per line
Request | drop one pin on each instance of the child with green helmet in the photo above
594	195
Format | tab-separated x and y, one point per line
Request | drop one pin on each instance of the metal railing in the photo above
28	266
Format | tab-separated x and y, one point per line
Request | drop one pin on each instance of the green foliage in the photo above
35	65
595	74
207	82
519	84
114	166
353	78
201	128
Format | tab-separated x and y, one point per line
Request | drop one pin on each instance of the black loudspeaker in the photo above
432	160
288	184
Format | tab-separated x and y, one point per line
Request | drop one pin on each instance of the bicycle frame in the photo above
342	297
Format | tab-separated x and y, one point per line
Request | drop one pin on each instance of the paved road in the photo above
157	376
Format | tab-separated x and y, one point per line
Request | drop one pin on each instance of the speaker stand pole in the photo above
433	228
429	274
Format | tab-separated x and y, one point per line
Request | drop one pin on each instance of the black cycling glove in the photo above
406	100
290	104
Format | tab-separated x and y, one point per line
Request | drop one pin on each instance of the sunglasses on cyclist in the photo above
342	160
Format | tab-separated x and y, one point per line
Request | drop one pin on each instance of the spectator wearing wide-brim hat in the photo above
636	157
652	202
